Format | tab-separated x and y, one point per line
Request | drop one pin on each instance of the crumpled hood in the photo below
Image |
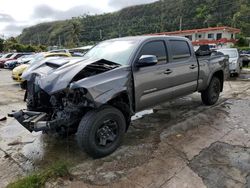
55	75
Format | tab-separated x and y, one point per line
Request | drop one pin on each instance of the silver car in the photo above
235	63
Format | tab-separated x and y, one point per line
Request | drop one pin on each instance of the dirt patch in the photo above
223	165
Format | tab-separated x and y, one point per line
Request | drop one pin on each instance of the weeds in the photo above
39	179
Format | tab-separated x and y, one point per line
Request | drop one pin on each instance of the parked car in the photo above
11	64
18	71
245	56
4	56
235	63
59	51
96	95
80	51
10	57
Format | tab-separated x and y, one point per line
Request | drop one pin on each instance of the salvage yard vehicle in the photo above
11	64
18	71
235	63
245	56
95	96
4	58
11	57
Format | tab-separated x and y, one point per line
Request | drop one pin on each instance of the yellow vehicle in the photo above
18	71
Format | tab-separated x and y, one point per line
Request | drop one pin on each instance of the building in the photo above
218	36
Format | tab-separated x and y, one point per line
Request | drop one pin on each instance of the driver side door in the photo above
151	85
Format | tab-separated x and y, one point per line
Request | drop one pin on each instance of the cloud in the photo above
6	18
126	3
43	11
14	29
47	12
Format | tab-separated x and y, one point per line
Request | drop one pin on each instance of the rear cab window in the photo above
157	48
180	50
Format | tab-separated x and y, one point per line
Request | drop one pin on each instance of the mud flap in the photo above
32	121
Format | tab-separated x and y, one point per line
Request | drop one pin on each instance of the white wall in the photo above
225	34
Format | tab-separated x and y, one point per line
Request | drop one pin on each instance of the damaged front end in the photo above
55	113
58	95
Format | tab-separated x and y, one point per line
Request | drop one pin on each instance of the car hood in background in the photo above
20	69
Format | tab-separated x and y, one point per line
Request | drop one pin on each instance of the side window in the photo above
156	48
19	55
8	56
180	49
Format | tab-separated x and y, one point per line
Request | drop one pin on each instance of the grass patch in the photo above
39	179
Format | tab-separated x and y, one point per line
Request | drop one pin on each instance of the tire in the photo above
23	85
93	128
124	108
211	95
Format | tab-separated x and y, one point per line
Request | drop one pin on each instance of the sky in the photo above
18	14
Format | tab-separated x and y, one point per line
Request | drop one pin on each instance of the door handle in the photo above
193	66
168	71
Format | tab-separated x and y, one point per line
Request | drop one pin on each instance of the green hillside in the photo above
160	16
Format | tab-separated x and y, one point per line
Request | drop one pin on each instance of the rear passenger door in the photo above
184	67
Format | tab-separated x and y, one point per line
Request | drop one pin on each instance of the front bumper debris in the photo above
32	121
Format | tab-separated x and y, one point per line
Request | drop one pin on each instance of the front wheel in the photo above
211	95
23	85
100	131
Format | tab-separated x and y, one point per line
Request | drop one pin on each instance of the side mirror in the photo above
147	60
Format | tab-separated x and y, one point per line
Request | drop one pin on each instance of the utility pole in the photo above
180	24
119	28
38	38
59	41
100	34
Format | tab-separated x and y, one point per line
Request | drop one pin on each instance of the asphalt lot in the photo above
178	144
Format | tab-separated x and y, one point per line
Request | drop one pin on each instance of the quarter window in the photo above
180	49
156	48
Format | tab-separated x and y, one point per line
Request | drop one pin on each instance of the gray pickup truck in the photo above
95	96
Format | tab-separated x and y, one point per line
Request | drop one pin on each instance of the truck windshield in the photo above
114	51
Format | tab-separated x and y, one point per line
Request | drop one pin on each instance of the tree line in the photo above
161	16
12	44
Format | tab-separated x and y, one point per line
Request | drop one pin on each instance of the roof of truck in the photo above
145	37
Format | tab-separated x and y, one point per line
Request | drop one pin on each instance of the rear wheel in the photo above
100	131
211	95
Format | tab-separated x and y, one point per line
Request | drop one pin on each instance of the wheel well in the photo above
122	103
220	75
